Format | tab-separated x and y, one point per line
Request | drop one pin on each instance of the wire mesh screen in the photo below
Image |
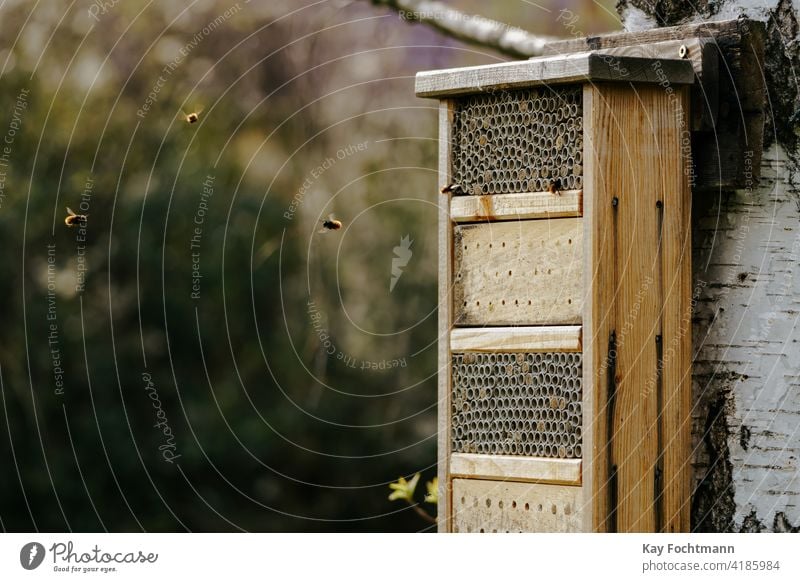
513	403
519	141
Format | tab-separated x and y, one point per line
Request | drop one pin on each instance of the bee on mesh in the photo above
554	187
455	189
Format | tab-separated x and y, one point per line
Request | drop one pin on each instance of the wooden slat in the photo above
598	316
572	68
516	468
677	344
508	506
634	153
634	166
518	273
444	522
568	203
565	338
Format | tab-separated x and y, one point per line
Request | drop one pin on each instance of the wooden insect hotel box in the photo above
565	294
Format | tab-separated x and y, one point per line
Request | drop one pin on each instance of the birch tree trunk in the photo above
746	334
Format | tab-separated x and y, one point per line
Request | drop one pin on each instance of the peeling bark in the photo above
751	524
781	524
781	63
713	505
671	12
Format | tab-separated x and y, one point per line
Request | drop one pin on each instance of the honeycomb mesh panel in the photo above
514	403
519	141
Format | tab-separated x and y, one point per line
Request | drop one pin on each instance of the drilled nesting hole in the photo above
554	508
508	506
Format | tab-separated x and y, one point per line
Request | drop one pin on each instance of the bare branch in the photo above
509	40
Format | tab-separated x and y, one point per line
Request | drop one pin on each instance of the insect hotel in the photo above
564	294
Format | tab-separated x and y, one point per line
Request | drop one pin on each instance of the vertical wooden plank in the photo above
634	156
636	172
677	294
589	349
445	318
598	315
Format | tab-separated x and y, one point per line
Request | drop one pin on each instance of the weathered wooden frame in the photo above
603	198
445	503
582	67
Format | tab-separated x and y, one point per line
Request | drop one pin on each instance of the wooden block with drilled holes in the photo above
518	273
507	506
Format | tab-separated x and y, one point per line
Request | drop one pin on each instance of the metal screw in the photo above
659	204
614	201
683	51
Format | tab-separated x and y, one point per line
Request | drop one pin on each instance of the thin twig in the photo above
423	514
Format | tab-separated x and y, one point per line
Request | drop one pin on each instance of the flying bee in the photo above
455	189
72	218
330	224
192	117
555	187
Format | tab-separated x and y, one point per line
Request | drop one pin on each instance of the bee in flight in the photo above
73	218
330	224
454	189
192	117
